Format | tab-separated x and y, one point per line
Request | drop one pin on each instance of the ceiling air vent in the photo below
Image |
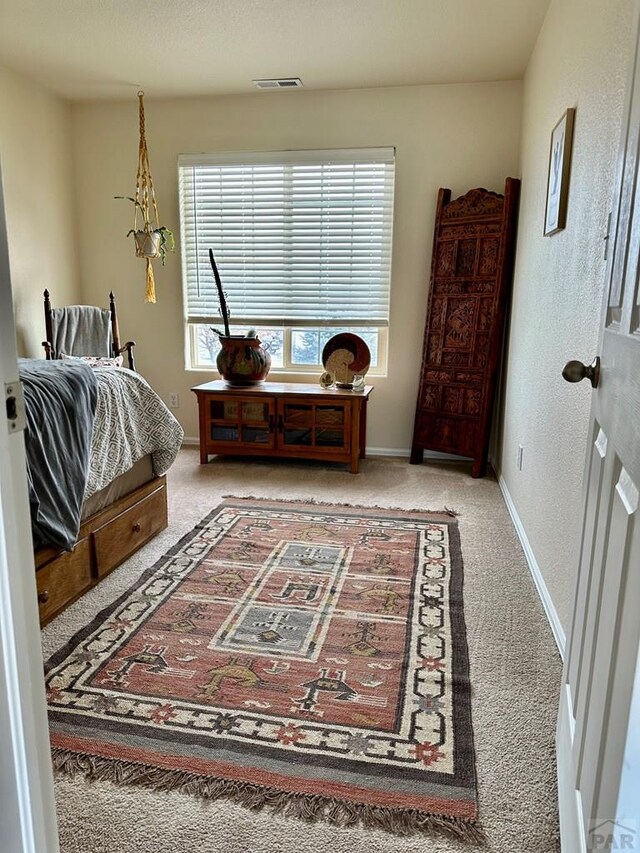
280	83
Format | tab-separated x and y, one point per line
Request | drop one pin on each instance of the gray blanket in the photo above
61	399
81	330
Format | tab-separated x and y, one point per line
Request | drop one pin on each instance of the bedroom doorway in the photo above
27	808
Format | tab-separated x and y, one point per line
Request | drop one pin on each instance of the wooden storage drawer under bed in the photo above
106	539
124	534
64	579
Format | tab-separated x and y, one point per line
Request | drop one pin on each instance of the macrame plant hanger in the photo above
147	208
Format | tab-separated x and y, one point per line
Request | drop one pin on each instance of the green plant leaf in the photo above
129	198
166	238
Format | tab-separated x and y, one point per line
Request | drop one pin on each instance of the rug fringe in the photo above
306	807
452	513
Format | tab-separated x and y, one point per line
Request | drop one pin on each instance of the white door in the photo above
27	812
599	674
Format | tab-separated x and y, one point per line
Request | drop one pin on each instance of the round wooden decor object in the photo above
346	355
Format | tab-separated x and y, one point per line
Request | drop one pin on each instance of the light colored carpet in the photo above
515	675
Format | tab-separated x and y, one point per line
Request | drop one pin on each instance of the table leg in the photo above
355	436
363	429
417	455
204	456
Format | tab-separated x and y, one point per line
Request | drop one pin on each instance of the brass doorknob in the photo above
575	371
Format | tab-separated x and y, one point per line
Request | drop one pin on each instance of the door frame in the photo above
27	807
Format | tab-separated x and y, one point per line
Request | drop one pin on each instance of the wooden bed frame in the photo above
105	540
116	348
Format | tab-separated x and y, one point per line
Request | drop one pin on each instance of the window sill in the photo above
297	376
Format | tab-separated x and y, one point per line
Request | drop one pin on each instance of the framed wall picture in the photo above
555	216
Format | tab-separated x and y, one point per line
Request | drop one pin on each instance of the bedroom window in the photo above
302	240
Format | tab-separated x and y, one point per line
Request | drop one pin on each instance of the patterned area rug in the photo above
304	656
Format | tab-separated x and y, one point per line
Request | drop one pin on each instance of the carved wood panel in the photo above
471	270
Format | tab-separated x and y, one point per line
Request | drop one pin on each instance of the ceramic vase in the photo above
242	361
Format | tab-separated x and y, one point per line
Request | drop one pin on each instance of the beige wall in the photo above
36	153
580	61
459	136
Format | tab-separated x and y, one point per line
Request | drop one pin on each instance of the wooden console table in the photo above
283	419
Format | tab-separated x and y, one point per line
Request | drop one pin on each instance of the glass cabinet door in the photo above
241	420
329	426
224	420
257	422
322	426
296	423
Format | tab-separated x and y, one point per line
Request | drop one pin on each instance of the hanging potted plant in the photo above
151	238
150	242
242	359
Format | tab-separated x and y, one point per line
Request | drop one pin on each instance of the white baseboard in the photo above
405	453
534	568
401	452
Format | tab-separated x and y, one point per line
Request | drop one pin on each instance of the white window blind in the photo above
300	237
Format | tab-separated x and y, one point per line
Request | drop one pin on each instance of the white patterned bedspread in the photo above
131	421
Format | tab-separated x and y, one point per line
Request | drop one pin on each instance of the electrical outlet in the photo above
174	400
520	454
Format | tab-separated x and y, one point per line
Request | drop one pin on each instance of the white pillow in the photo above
96	360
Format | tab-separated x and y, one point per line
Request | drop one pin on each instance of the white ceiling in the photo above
86	49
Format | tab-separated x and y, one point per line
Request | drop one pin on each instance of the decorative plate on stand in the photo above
346	355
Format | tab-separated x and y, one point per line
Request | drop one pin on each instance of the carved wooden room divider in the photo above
471	272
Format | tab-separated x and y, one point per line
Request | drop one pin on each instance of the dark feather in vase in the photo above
223	302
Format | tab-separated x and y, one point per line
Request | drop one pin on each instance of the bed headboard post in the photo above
115	332
48	326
